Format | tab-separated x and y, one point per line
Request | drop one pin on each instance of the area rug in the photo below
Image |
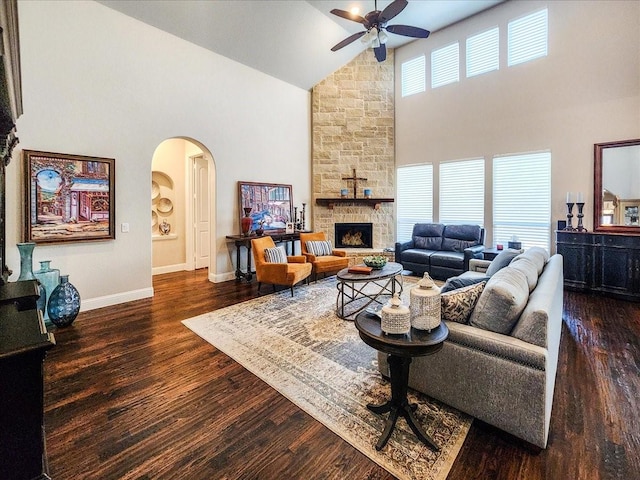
303	350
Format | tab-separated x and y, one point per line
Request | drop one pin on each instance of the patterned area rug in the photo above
304	351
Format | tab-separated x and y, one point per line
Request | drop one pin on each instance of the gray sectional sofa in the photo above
502	370
441	250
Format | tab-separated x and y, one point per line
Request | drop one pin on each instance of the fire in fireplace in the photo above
354	235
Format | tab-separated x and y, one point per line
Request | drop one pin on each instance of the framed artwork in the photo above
270	205
68	197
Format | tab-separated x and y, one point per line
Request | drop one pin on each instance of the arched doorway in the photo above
182	206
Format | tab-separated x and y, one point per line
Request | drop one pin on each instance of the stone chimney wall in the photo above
354	127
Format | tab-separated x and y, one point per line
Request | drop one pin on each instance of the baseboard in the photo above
178	267
222	277
108	300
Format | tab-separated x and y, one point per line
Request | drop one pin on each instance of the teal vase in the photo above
64	303
26	272
26	260
49	278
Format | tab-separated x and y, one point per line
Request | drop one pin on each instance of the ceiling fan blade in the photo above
347	41
393	9
349	16
408	31
380	52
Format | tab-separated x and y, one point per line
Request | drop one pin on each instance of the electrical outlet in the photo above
124	228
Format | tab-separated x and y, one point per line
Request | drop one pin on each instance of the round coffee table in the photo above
351	288
400	350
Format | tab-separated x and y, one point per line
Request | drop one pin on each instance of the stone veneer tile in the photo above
353	127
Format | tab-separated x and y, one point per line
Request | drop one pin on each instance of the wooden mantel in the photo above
373	202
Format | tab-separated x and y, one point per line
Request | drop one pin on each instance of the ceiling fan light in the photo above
383	37
375	43
366	38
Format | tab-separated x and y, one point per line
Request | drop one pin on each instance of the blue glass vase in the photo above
49	278
64	303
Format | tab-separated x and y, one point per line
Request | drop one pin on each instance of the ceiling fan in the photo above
375	24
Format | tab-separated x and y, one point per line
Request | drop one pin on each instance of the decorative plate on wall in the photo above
154	218
165	205
155	190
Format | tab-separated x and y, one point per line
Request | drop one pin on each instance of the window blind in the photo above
483	52
462	192
527	38
522	199
414	198
413	76
445	65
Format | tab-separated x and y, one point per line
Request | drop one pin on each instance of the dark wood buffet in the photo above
601	263
24	341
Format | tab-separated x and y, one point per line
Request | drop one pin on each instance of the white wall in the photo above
586	91
96	82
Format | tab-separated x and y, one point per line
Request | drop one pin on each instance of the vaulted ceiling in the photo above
287	39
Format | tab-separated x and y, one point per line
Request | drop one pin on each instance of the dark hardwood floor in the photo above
130	393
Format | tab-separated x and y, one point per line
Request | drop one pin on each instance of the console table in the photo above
242	241
601	262
23	344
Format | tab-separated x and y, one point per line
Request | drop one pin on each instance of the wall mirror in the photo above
617	187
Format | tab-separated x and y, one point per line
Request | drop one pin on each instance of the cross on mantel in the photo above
354	179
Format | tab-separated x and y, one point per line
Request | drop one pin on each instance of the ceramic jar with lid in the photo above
396	317
425	304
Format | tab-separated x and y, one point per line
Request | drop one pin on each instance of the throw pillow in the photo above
454	283
275	255
502	260
319	248
458	304
502	301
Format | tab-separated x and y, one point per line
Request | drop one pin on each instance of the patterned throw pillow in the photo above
275	255
319	248
457	305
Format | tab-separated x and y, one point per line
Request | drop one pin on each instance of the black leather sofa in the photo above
442	250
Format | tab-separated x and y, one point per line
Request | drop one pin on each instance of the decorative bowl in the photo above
375	261
165	205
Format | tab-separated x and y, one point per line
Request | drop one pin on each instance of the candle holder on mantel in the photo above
580	206
569	226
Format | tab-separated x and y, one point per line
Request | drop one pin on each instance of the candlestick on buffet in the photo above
569	226
580	215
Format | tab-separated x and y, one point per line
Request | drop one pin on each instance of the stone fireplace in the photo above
353	129
353	235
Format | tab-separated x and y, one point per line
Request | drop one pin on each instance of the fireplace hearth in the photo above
354	235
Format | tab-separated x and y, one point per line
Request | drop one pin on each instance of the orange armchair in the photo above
324	263
288	274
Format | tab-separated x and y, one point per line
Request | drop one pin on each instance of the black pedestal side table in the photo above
400	350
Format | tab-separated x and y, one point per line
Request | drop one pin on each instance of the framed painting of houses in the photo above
268	204
69	198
